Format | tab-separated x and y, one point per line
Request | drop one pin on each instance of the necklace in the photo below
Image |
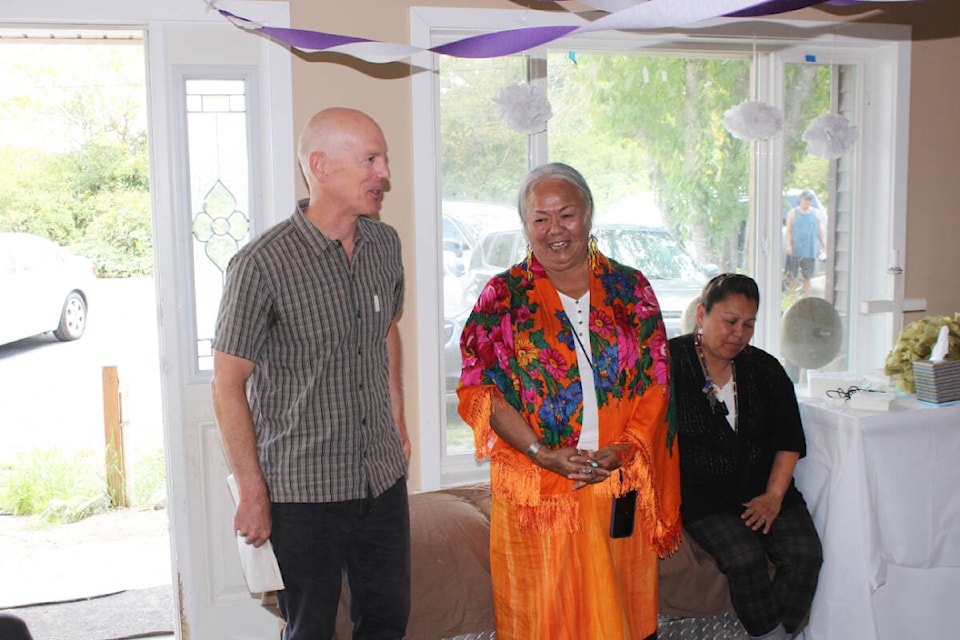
574	328
713	392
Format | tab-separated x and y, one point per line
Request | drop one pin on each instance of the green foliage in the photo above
60	488
916	342
119	239
607	157
31	199
73	160
149	476
673	108
482	159
807	88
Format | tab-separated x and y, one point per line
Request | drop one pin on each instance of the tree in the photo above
673	108
73	150
481	159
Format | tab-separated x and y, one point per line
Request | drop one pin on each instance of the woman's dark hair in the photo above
724	285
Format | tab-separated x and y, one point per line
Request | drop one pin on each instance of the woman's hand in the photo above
575	464
760	512
589	467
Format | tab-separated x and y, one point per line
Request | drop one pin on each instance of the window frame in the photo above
881	54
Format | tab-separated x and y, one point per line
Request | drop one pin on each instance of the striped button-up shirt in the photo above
315	324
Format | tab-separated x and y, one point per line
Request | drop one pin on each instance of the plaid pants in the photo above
792	545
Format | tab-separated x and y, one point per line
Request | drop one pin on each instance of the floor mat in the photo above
138	613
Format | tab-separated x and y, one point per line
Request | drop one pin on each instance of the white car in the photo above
43	287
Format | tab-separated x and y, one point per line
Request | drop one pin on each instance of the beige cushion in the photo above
451	592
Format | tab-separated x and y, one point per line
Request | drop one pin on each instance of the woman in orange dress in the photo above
565	383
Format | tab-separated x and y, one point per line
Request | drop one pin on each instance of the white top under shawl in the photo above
578	311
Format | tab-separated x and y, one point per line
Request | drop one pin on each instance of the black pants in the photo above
792	545
367	540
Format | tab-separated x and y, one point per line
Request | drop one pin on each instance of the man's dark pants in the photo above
368	540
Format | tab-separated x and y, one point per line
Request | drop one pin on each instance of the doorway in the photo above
190	43
73	146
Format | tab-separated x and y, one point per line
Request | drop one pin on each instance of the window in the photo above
641	116
216	115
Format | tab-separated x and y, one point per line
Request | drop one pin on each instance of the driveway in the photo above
51	392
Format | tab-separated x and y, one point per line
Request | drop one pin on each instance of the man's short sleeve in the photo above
245	310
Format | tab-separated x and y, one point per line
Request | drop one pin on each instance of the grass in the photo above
63	488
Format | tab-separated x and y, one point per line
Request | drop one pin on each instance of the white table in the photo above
884	492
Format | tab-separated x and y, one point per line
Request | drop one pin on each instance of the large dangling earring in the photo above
592	252
528	260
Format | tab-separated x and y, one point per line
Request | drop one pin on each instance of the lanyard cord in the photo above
712	391
573	329
576	334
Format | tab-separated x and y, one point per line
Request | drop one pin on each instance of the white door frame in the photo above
208	588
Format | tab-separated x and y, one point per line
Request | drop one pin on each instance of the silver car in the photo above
675	277
43	287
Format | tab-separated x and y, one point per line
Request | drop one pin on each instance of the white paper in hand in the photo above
259	564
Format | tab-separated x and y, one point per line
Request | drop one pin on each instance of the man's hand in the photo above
252	517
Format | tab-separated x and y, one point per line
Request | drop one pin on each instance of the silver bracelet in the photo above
533	449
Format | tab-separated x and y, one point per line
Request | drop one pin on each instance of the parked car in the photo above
464	223
44	288
674	275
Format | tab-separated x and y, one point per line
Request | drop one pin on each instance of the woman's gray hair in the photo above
555	171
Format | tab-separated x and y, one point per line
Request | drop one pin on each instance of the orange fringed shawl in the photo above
518	346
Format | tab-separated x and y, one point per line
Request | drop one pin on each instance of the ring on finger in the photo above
587	470
593	463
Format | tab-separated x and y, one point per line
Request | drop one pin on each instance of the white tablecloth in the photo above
884	492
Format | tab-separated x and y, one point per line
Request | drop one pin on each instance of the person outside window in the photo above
804	229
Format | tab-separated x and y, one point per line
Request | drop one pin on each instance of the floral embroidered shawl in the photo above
518	346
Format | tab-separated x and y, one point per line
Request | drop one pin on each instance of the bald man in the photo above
306	389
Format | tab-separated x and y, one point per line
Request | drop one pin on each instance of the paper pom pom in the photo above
753	120
524	108
829	136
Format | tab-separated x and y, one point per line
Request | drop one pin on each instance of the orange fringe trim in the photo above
554	514
476	407
663	534
515	478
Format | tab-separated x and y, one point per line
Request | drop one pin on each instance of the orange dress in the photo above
557	573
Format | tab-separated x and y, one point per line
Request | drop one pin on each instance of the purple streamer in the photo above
303	39
488	45
778	6
501	43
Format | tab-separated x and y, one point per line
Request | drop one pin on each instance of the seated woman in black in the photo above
740	437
